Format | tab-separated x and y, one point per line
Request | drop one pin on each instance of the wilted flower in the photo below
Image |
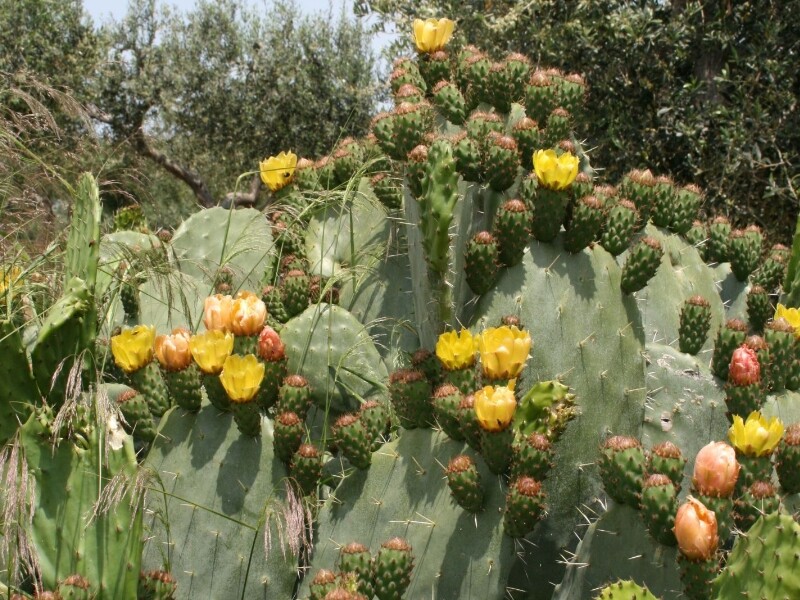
696	530
278	171
270	345
172	351
248	313
504	351
744	368
210	349
791	316
495	407
431	35
716	470
217	312
133	348
456	350
553	171
757	436
241	377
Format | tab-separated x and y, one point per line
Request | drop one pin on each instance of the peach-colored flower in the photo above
172	351
248	313
696	530
217	312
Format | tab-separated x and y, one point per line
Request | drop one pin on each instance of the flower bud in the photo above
696	530
744	368
270	345
715	470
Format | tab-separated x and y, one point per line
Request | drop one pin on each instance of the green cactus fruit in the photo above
411	123
387	190
346	161
540	96
549	208
382	127
352	438
276	312
409	93
759	308
697	576
481	262
245	344
722	507
446	400
787	460
697	236
407	74
294	292
664	201
772	271
461	65
294	396
730	337
470	426
415	169
625	590
324	581
467	380
217	395
641	264
694	324
524	506
571	91
306	468
288	435
584	186
149	382
779	335
665	458
467	154
585	224
434	67
517	68
480	124
743	255
391	569
621	464
687	204
157	585
533	457
134	409
500	87
286	232
763	562
247	416
512	231
501	161
718	247
511	321
427	362
619	227
74	587
659	504
638	186
464	482
528	137
450	102
497	449
410	394
129	296
355	558
757	499
479	88
305	177
559	124
185	387
375	416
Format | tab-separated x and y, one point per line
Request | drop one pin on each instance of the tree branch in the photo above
244	198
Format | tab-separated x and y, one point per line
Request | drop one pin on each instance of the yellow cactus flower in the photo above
241	377
791	315
504	351
495	407
217	312
172	351
757	436
133	348
210	349
248	313
8	276
553	171
456	350
278	171
431	35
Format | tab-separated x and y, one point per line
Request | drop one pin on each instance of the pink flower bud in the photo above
696	530
744	369
270	346
715	470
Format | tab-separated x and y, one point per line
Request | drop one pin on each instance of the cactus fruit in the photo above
272	353
415	169
619	227
184	387
526	133
549	208
759	308
533	457
446	400
375	417
501	161
324	581
641	265
524	506
694	324
157	585
482	259
540	96
137	415
665	458
479	87
465	483
469	422
779	335
467	154
410	393
697	236
294	292
689	199
511	230
306	468
450	101
407	74
387	191
745	252
149	382
391	569
559	124
638	186
355	558
426	361
288	435
772	271
744	392
718	247
664	201
411	121
621	464
787	462
295	396
217	395
697	576
730	337
352	438
584	227
247	416
757	499
658	505
76	587
276	311
625	590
